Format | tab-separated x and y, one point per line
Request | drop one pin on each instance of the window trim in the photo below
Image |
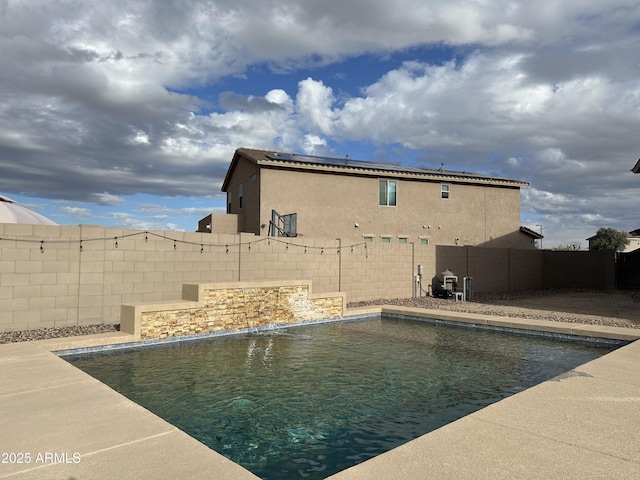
445	191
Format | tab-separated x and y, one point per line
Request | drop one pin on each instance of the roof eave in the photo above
442	177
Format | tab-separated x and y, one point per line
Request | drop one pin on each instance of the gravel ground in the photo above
57	332
612	310
501	304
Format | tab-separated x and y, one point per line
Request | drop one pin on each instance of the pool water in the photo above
309	401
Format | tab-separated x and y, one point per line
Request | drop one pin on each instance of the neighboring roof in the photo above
11	212
532	233
636	167
358	167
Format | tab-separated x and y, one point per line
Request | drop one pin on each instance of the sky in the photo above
127	113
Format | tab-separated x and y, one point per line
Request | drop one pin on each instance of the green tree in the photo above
609	239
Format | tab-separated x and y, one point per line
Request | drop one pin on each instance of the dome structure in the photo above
11	212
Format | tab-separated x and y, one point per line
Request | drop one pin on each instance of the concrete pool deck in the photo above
584	424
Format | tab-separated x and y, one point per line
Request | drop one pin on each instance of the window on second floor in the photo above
240	196
444	189
387	191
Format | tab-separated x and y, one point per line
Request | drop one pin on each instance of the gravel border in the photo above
55	332
494	304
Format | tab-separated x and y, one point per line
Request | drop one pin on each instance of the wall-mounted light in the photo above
357	225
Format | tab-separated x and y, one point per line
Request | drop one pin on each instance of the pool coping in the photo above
584	425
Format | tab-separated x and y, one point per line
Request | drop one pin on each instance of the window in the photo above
229	202
403	240
424	241
385	239
240	196
368	238
253	177
444	189
387	192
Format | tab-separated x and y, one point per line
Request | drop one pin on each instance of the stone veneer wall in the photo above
210	308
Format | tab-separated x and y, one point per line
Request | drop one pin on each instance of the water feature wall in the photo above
217	307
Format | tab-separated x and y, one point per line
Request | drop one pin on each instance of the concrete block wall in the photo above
509	270
53	276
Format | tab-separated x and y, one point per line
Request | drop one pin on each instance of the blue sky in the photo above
127	115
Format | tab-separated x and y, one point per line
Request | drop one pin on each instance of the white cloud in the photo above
76	211
545	91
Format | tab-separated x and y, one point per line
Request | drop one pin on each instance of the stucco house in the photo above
288	194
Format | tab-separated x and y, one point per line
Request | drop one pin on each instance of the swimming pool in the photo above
306	402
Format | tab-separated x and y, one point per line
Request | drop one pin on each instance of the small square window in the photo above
385	239
403	240
424	241
368	239
444	189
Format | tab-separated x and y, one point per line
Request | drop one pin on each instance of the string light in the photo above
176	241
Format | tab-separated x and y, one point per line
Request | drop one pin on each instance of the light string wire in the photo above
116	239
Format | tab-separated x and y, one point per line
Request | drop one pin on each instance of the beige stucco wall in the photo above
330	206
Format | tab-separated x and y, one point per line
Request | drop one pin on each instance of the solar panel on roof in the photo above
344	162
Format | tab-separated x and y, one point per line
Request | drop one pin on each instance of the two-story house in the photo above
324	197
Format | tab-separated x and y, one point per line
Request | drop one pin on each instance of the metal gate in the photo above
628	270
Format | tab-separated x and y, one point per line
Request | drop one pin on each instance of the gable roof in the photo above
293	161
636	167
